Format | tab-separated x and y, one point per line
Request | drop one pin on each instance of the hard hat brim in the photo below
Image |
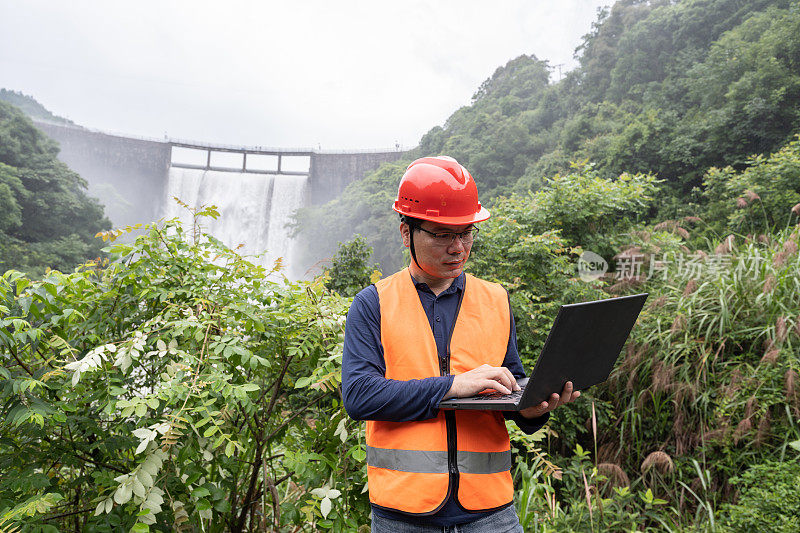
472	218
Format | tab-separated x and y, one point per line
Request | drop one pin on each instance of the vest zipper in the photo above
450	415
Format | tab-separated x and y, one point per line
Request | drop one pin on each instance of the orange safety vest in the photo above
413	467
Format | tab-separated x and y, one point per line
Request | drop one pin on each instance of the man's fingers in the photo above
501	375
554	400
479	379
568	393
496	385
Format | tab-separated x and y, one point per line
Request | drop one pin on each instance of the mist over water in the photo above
254	210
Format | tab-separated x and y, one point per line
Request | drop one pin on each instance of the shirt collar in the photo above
456	286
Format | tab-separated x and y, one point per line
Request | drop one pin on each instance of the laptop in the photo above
582	347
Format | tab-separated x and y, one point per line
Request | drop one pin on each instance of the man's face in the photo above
439	259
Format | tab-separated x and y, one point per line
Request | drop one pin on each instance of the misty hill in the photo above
664	87
31	107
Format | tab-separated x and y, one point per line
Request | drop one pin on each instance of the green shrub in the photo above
769	499
351	271
178	386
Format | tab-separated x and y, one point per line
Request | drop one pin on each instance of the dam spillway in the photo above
254	210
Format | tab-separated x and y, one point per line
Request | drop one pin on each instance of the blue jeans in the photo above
502	521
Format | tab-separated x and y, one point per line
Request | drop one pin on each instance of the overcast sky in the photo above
318	73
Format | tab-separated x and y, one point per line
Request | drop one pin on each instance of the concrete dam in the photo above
256	189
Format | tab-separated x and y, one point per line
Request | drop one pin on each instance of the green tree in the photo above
47	218
351	271
763	198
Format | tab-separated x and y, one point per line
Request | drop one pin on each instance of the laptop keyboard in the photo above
513	397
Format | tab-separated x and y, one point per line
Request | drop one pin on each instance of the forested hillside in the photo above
179	387
668	88
46	217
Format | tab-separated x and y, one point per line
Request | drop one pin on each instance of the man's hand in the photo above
567	395
479	379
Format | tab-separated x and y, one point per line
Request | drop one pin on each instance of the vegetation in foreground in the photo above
179	387
176	386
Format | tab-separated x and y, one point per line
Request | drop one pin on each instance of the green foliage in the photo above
350	271
758	199
364	208
170	388
768	500
46	218
587	208
531	244
181	382
707	385
584	497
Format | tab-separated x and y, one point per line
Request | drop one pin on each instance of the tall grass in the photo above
707	387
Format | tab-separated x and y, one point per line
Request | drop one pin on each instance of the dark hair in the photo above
411	221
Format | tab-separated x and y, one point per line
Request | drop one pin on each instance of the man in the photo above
428	333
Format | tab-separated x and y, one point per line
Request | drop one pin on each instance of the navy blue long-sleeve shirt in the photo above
368	395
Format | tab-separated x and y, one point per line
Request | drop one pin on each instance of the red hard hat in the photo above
440	190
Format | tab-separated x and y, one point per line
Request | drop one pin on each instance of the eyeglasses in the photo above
446	238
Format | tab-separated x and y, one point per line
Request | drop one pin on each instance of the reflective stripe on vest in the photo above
407	462
428	462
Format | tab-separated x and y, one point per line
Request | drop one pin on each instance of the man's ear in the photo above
405	233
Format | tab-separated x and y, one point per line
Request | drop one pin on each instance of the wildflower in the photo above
662	376
716	434
770	356
629	252
725	246
661	300
751	195
667	224
741	203
750	407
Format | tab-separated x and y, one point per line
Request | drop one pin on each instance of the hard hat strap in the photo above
412	224
413	252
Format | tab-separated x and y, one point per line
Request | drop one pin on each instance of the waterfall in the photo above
253	208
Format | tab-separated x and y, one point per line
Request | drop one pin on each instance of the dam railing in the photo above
244	151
